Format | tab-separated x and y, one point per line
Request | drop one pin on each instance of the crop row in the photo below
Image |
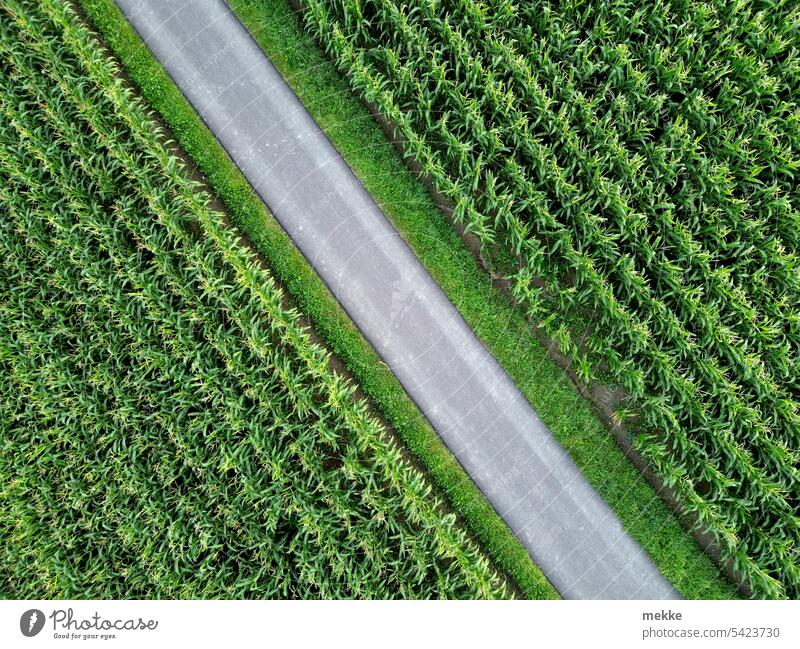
172	430
647	190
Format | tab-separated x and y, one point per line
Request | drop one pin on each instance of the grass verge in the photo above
405	201
312	297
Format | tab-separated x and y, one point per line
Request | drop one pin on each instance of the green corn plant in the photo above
173	430
640	190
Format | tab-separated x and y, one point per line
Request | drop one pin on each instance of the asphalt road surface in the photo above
483	418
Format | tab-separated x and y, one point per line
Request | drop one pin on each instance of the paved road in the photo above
485	421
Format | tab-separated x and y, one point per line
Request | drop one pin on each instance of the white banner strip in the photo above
405	625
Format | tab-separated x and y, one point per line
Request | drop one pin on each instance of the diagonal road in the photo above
483	418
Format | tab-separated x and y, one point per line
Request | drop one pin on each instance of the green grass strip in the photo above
312	297
504	330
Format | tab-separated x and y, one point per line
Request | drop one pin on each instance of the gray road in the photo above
485	421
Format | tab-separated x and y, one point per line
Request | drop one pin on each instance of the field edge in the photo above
248	213
363	143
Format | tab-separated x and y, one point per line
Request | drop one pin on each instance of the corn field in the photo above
639	162
169	429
